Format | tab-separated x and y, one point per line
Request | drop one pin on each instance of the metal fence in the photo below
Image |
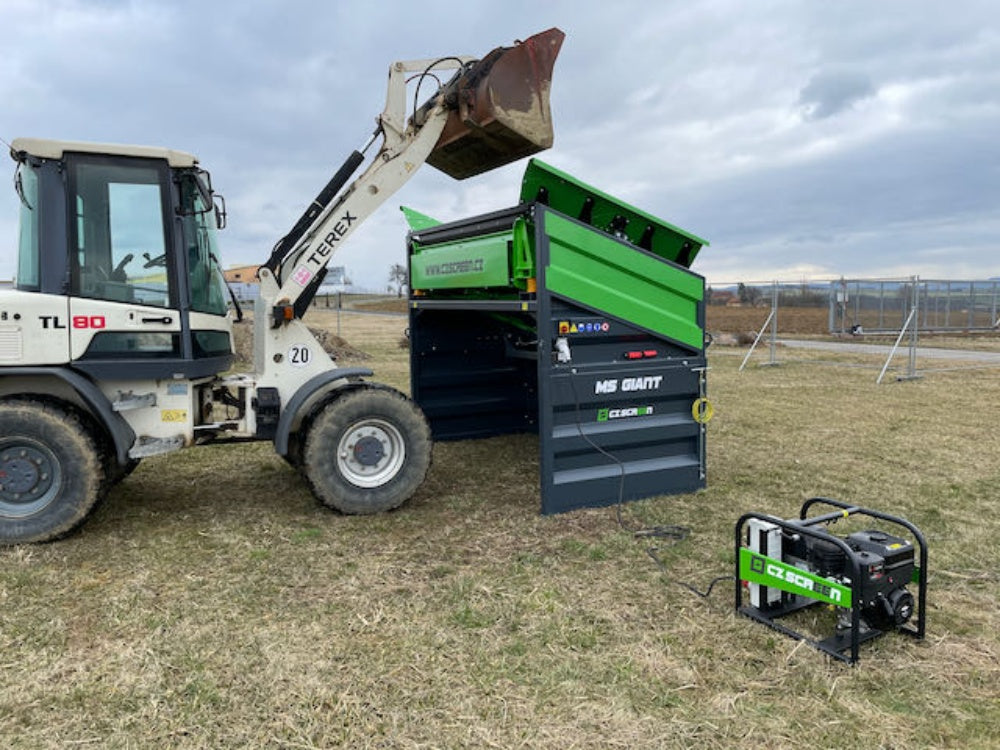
839	315
883	305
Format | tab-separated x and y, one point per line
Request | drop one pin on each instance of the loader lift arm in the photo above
129	359
491	112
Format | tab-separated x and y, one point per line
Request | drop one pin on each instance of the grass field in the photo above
210	602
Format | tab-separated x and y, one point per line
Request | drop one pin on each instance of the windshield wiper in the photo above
232	294
19	189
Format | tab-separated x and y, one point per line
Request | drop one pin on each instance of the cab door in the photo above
125	318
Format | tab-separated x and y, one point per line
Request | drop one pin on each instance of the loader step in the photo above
128	401
149	446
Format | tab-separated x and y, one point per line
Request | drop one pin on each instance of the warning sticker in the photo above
302	275
173	415
583	326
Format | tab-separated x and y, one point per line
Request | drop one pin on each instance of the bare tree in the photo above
749	295
399	278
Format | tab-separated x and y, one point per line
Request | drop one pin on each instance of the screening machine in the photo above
573	315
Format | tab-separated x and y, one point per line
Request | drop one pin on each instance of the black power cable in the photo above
673	532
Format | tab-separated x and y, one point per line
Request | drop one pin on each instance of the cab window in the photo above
120	240
26	183
207	282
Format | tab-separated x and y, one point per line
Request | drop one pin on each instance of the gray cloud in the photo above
694	112
831	92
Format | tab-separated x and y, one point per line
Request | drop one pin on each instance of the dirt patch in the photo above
739	321
332	344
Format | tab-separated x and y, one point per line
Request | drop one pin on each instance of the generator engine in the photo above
788	565
886	563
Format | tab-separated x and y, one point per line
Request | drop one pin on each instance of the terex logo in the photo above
626	385
321	253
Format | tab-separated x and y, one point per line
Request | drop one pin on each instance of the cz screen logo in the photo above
603	415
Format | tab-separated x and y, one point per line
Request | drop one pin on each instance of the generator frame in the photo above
837	644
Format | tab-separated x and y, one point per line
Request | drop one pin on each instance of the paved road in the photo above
883	350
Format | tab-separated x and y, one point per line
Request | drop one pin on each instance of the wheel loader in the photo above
116	342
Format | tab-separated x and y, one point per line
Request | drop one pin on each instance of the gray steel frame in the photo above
472	381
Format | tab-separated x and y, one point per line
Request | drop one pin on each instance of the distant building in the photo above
241	274
336	275
723	297
246	286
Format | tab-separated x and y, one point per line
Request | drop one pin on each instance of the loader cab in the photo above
127	236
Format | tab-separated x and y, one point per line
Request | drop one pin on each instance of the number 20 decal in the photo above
299	355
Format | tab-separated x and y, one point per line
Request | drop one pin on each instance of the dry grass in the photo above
211	603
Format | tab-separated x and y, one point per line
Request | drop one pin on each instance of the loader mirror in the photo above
501	111
219	204
202	183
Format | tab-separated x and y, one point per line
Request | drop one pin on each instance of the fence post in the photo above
911	371
771	323
831	316
912	323
774	323
881	304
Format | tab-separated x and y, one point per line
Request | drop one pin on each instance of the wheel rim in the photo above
371	453
30	477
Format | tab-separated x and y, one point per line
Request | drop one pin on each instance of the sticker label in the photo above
604	415
613	385
302	275
173	415
775	574
299	355
588	326
470	265
89	321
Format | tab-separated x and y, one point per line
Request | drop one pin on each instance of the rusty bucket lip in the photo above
494	125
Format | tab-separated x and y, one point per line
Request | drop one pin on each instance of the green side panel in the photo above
523	254
478	262
572	197
775	574
599	272
417	220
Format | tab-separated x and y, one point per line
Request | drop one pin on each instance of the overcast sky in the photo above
802	139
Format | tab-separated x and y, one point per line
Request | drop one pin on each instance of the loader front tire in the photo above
50	471
367	451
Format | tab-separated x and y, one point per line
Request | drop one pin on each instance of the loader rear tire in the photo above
50	471
367	451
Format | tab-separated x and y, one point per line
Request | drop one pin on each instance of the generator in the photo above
784	566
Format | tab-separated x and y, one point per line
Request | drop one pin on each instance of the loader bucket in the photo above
501	112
